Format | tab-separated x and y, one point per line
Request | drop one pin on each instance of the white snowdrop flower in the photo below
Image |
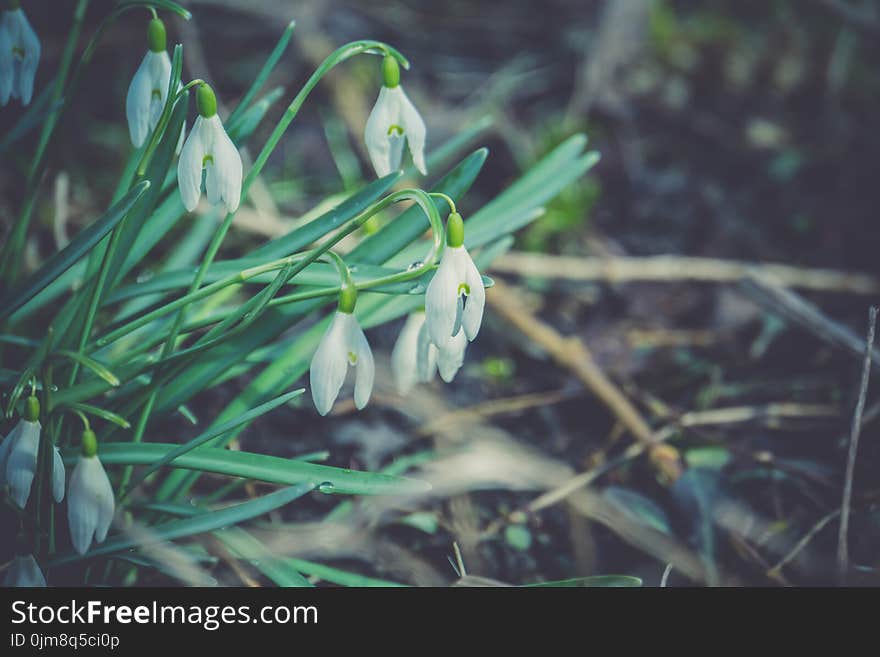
393	121
451	357
90	503
455	297
24	572
414	357
20	451
149	88
19	55
343	344
208	147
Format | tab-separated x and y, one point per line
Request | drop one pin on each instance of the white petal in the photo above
212	183
24	572
58	475
365	369
160	78
106	504
472	316
137	103
22	462
329	365
5	448
90	503
189	167
6	71
382	117
404	356
441	299
414	128
451	358
426	356
227	162
22	36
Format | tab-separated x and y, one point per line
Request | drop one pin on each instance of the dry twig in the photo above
668	268
842	547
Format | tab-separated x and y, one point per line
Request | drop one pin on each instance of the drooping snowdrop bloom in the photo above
455	297
208	147
149	87
393	121
24	572
20	450
414	357
19	55
90	503
343	344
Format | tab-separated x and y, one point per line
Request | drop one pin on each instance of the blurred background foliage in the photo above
728	129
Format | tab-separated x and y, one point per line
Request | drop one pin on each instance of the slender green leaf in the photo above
78	246
260	467
102	413
89	363
206	522
220	429
263	75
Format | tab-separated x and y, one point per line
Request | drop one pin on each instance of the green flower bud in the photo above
89	443
455	230
390	72
156	35
348	299
206	101
32	409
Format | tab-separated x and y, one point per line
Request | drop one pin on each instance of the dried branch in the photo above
842	547
668	268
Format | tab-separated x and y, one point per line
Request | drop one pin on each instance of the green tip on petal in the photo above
89	443
348	299
390	72
12	5
206	101
455	230
32	409
156	35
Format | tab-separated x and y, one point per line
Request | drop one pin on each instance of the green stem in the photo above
446	198
236	279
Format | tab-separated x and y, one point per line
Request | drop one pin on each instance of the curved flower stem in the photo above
446	198
344	272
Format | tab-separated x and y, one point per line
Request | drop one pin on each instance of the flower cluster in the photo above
432	339
90	501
